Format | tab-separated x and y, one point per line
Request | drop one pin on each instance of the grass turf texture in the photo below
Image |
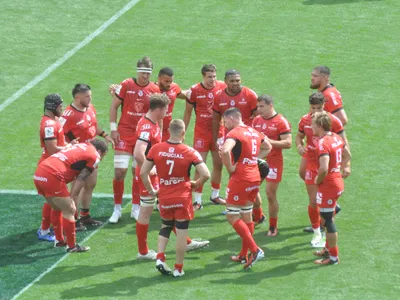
274	44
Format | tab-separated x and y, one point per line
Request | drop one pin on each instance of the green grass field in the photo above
274	44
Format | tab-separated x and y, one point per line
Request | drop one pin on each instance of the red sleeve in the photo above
284	126
49	131
121	91
252	98
337	126
216	103
196	157
322	148
66	120
301	125
150	155
178	89
333	101
93	160
192	95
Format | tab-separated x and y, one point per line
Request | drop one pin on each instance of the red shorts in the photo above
143	193
275	171
126	144
165	135
176	209
329	193
311	171
240	192
48	185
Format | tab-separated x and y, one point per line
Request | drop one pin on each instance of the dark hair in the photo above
232	112
208	68
166	71
145	62
52	101
79	88
231	72
267	99
323	70
316	98
158	100
100	145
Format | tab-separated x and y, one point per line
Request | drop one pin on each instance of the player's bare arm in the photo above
51	146
285	141
182	95
115	104
323	169
226	155
300	143
105	136
344	137
346	157
188	114
341	115
80	182
216	121
139	152
144	174
265	148
204	174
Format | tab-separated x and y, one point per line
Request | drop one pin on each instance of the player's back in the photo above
333	99
173	162
135	103
332	144
245	152
67	164
50	130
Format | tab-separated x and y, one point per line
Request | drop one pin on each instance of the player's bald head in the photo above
322	119
231	72
324	70
176	128
100	145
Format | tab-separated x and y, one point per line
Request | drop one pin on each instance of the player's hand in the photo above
301	150
75	141
154	193
112	88
231	168
346	172
109	140
115	137
194	184
153	171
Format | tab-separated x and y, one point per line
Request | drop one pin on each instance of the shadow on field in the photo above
20	249
331	2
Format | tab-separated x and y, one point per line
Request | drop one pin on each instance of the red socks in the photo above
178	267
244	232
141	233
118	189
273	222
334	251
56	220
161	256
199	190
257	214
46	213
244	250
69	227
313	214
216	186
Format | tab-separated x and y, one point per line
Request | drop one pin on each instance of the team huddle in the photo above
240	129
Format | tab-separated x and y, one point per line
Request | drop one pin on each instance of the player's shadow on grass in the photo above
24	249
332	2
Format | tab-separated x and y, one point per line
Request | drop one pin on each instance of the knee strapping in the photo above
329	224
121	161
182	225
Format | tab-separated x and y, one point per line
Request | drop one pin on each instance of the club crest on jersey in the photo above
232	102
210	95
88	117
140	93
171	150
264	126
139	106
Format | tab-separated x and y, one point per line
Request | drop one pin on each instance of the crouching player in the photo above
333	157
173	161
53	175
242	148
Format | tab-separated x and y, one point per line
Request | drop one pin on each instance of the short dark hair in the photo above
232	112
166	71
323	70
231	72
79	88
145	62
100	145
316	98
158	100
208	68
267	99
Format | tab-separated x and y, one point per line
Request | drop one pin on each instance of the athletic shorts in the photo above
48	185
275	171
311	172
142	189
329	193
126	144
240	192
176	209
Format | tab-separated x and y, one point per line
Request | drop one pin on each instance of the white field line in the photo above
51	268
33	192
66	56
